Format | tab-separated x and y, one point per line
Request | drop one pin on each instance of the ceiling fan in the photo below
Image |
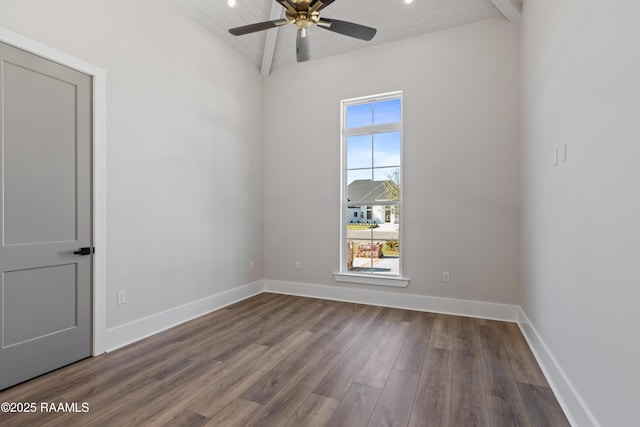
304	13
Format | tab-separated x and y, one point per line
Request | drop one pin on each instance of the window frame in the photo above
345	275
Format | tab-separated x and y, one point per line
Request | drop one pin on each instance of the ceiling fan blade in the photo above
348	29
318	5
303	46
260	26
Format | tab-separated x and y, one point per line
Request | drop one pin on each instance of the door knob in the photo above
84	251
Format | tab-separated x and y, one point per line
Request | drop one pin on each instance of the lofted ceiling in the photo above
394	20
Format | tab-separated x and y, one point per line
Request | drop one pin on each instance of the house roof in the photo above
364	190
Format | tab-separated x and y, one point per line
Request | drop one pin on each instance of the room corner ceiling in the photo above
394	20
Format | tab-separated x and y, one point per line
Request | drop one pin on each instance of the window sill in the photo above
365	279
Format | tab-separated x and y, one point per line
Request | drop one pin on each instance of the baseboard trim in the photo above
570	400
136	330
468	308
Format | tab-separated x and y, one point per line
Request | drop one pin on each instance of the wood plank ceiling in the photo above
394	20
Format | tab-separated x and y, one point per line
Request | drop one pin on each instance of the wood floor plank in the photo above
437	369
291	396
444	333
291	309
469	407
377	369
343	341
541	406
332	313
414	348
238	413
104	385
338	381
252	333
431	407
392	314
171	397
58	381
505	412
356	408
268	385
468	386
176	392
231	387
301	360
499	379
523	362
240	329
264	389
187	419
393	408
468	365
314	412
432	402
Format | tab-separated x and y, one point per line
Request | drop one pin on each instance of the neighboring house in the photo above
368	191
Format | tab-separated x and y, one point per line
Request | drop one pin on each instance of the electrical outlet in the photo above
120	297
445	276
251	265
298	265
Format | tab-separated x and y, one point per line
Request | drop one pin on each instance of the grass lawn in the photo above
360	226
387	252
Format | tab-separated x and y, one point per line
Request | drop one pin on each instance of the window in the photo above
371	190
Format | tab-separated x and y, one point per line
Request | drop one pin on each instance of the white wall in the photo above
461	152
184	147
582	218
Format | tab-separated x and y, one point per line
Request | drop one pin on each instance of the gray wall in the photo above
461	152
582	218
184	147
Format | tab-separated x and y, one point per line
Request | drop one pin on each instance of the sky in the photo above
373	156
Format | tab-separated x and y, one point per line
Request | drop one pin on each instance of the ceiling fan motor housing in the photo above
303	18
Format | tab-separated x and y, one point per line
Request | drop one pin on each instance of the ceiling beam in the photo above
270	40
511	9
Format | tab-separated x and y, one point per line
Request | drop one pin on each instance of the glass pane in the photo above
384	174
359	115
367	191
386	149
359	151
391	181
386	112
358	174
373	245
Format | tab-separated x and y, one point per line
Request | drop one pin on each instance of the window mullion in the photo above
365	130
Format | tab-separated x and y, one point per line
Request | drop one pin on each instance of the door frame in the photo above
99	167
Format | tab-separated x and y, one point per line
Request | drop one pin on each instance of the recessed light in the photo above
232	3
408	1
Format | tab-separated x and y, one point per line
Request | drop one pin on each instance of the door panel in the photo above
45	215
39	175
48	294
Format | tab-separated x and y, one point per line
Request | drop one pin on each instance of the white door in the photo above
45	215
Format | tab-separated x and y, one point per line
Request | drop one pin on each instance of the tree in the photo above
392	185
